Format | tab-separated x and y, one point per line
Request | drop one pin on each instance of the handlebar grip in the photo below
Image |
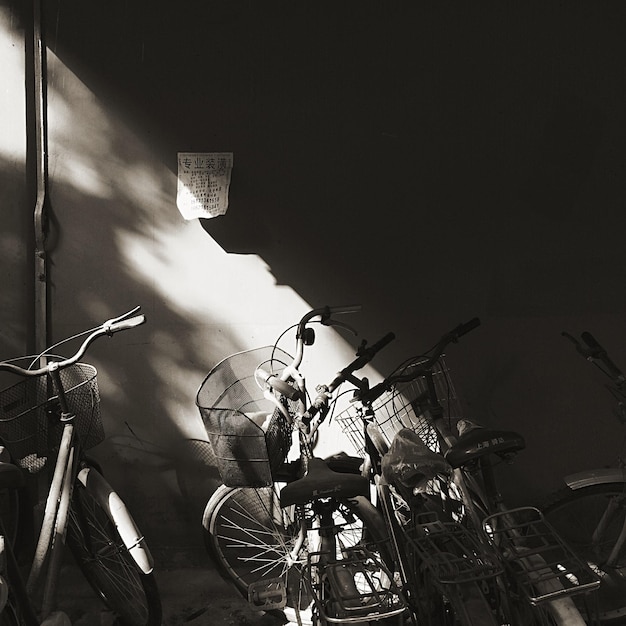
591	341
138	320
381	343
463	329
598	352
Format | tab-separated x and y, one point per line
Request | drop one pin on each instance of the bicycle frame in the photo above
325	559
322	496
52	535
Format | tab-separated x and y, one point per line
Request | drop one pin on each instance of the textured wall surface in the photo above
430	163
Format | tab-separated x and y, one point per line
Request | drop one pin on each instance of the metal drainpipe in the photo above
40	222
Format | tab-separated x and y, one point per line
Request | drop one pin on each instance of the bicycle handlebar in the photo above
110	327
364	355
325	314
601	354
594	351
369	395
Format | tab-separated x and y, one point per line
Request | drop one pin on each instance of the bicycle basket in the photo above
29	415
403	407
250	436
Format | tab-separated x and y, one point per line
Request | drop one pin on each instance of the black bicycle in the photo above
464	556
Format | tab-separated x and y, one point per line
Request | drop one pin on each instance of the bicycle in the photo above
298	536
451	528
47	422
589	511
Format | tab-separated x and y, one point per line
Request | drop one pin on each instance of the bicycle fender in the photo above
595	477
120	516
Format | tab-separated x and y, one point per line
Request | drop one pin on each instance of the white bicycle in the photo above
47	421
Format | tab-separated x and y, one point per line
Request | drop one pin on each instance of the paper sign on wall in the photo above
203	183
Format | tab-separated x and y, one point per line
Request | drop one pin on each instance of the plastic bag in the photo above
410	463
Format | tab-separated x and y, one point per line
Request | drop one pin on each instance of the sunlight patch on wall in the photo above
79	126
122	235
12	100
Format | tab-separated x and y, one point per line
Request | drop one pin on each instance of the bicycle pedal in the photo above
268	594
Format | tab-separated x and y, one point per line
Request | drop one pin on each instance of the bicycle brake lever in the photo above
342	325
108	325
585	352
122	317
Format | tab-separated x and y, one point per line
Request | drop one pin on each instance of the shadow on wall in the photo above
403	176
118	241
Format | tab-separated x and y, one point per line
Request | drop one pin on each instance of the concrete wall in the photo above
430	162
16	203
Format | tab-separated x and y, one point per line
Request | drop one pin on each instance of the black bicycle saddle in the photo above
322	482
480	441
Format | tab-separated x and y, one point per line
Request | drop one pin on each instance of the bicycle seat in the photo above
322	482
480	441
11	477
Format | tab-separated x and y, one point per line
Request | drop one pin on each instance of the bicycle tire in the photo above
249	538
10	513
575	514
100	553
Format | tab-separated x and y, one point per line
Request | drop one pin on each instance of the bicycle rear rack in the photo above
532	551
359	587
452	554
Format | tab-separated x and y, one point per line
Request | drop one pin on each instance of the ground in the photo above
190	597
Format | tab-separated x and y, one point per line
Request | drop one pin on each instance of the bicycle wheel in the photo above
105	562
583	519
252	539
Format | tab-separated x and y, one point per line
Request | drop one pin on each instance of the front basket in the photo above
249	435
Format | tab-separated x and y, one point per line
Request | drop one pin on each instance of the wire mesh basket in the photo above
250	436
29	414
405	406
